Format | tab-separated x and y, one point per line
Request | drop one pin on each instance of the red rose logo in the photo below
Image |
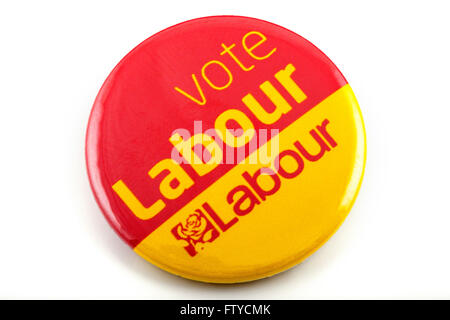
196	231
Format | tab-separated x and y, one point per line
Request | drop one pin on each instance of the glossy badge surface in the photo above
225	149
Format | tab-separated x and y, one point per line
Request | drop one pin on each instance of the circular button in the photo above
225	149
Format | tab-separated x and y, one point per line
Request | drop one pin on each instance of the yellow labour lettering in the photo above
134	204
174	184
171	187
247	128
284	78
186	149
176	181
281	105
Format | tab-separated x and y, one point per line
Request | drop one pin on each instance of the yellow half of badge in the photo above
253	224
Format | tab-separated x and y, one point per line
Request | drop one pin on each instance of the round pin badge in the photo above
225	149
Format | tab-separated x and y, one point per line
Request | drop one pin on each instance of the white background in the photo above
55	243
